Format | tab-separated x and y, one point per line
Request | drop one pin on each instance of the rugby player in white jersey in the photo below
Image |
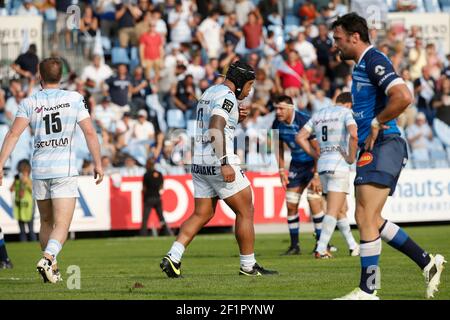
53	115
334	128
216	173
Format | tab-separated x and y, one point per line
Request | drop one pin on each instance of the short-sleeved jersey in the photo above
53	116
330	128
373	76
216	100
287	133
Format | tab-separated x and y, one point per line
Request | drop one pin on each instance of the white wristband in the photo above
223	157
375	123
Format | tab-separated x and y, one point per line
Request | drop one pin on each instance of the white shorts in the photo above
335	182
208	182
66	187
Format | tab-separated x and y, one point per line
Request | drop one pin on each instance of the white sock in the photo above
344	227
53	248
176	252
328	226
247	261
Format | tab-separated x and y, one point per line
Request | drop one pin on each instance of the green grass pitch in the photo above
128	268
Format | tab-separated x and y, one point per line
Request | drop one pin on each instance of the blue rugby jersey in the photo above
53	116
287	133
372	77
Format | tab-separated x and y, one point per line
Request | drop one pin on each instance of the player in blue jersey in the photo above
302	169
379	97
53	115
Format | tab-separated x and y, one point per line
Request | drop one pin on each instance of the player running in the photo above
302	170
53	115
379	96
216	173
332	127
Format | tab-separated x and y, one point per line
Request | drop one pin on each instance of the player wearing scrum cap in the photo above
216	172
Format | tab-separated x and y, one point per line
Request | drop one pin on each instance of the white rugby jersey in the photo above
53	116
330	127
216	100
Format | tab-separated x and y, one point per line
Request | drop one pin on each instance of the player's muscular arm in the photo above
399	99
217	136
93	146
279	145
302	140
11	138
352	144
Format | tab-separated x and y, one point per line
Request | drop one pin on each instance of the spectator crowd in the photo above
150	61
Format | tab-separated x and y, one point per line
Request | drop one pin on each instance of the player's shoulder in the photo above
375	57
221	91
301	116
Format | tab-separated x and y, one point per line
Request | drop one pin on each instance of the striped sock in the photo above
176	252
370	254
294	226
53	248
3	252
344	226
317	219
397	238
328	226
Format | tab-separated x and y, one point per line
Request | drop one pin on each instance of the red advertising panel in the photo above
178	202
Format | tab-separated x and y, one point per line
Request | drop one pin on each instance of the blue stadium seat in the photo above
119	55
420	158
438	154
432	6
442	131
445	5
175	119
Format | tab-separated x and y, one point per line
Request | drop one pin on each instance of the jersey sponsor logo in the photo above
385	77
365	159
380	70
54	143
57	107
358	115
204	170
202	101
227	105
39	110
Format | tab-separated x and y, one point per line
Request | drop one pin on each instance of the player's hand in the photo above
372	137
346	157
227	173
243	113
98	175
316	186
284	179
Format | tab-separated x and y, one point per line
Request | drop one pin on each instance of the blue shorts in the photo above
300	173
383	164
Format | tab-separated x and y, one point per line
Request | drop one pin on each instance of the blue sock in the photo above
397	238
293	225
370	254
317	220
3	252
